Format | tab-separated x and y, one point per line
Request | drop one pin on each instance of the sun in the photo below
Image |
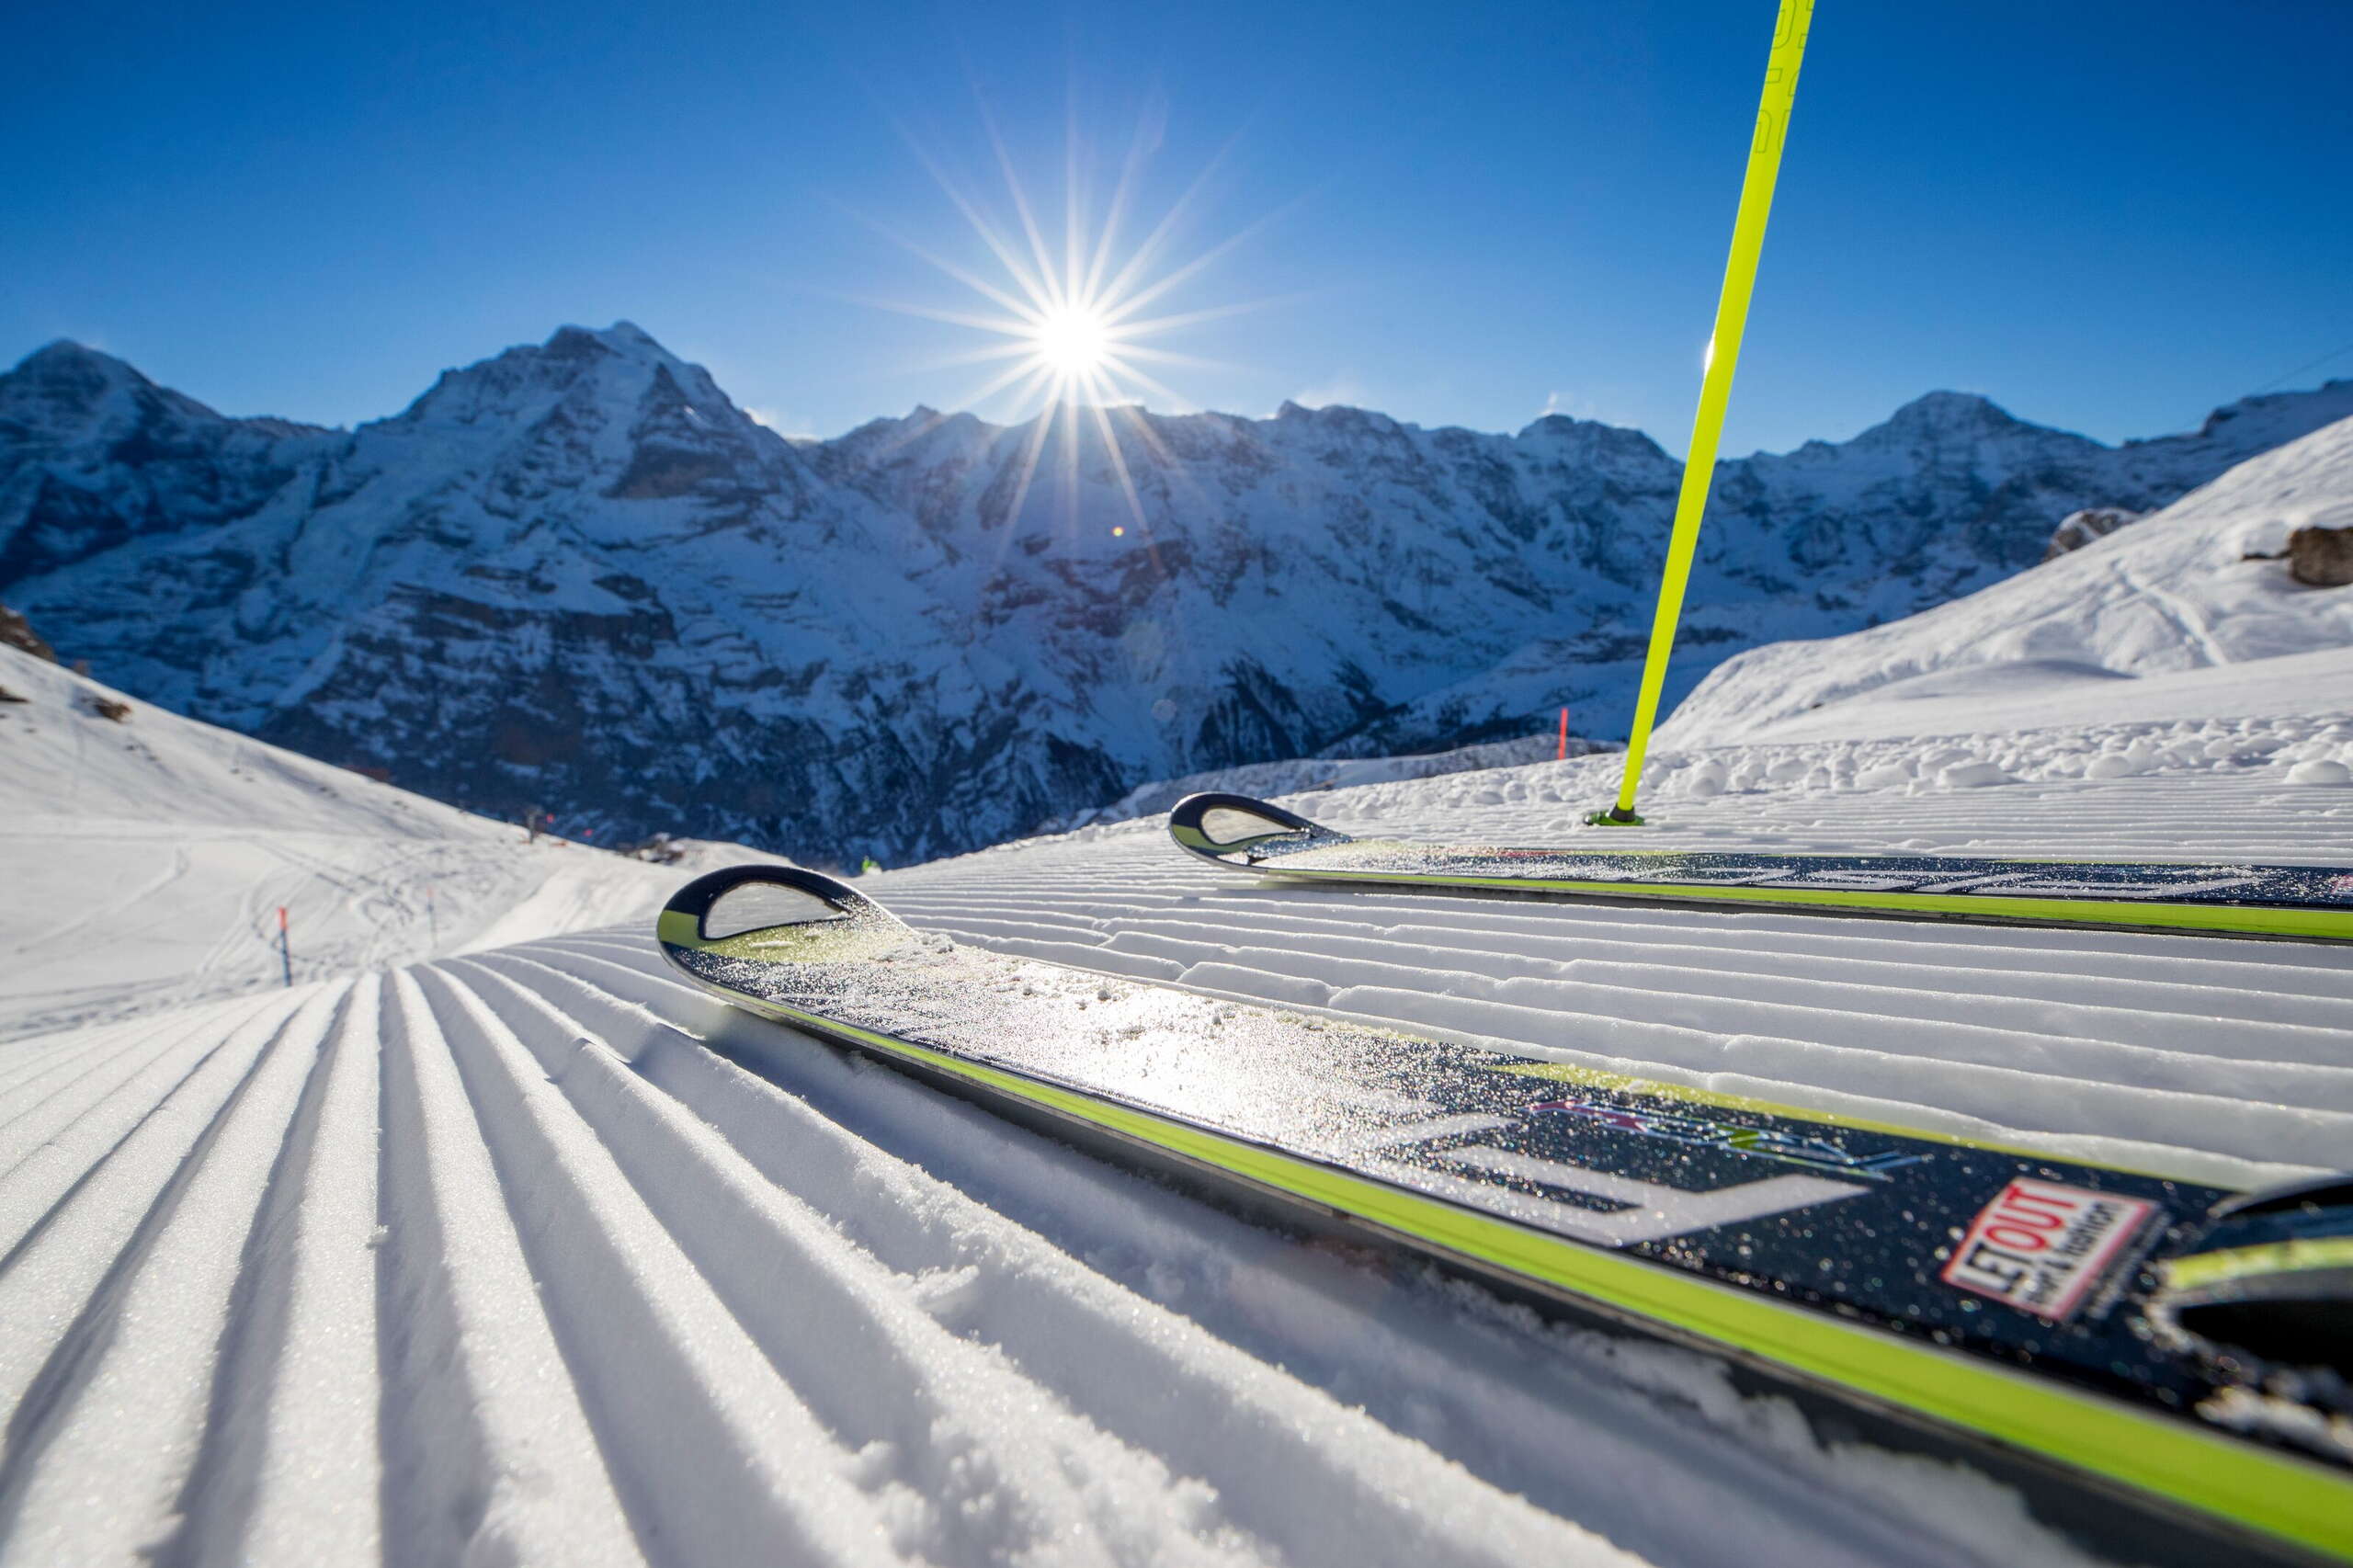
1072	341
1071	316
1075	309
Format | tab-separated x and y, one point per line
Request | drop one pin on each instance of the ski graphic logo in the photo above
1645	1212
2042	1247
1763	1142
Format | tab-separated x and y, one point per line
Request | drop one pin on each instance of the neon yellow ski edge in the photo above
2274	1257
2252	919
1193	838
2270	1493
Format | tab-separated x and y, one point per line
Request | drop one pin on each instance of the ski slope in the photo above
534	1255
146	858
2196	587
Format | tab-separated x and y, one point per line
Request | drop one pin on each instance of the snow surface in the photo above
1264	779
536	1255
145	861
2189	590
533	1253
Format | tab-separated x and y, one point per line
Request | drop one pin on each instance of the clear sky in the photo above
2107	216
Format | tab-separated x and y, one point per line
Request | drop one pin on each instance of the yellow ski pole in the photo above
1715	386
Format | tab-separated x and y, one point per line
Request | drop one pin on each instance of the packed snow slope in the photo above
576	575
537	1254
145	860
1263	780
2184	613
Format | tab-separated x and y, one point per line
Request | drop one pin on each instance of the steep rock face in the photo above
97	457
2321	557
576	576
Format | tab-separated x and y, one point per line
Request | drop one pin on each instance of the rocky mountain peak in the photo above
64	389
65	362
623	338
610	411
615	368
1946	414
1592	436
1335	416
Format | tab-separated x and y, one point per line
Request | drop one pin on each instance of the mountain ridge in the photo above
576	575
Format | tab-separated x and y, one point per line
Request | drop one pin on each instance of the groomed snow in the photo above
146	858
535	1254
2047	693
2193	587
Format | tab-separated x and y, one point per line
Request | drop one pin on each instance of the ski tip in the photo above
2266	1292
776	909
1236	829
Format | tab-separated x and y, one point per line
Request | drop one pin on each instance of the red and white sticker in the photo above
2043	1248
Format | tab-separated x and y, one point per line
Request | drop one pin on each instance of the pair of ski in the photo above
2160	1367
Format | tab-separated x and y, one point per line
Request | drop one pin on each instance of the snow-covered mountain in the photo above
576	575
2199	584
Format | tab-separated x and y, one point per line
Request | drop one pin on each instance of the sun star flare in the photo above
1068	318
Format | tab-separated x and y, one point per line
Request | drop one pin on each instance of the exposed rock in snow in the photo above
2321	557
2079	528
576	575
17	632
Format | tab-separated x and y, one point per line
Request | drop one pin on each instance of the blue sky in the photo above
2106	216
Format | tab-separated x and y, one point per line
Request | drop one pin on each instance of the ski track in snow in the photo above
147	860
537	1255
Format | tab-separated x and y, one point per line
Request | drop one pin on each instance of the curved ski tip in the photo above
743	899
1217	825
2319	1192
2268	1285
